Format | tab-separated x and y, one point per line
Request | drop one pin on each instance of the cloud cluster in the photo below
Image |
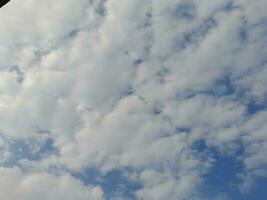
16	185
151	88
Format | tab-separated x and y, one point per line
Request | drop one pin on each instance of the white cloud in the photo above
127	84
15	184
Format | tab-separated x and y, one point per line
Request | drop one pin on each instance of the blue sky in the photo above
133	100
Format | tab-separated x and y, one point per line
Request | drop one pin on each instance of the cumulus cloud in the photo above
154	89
16	185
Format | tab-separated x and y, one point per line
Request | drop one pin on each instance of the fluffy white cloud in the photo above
16	185
130	85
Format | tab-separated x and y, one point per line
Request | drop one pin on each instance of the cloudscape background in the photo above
133	99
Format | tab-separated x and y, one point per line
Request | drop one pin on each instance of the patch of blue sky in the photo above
196	35
254	107
229	6
223	177
183	129
259	192
202	30
223	86
185	11
114	183
138	62
101	10
243	34
25	149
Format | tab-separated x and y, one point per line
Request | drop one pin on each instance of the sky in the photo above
133	100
